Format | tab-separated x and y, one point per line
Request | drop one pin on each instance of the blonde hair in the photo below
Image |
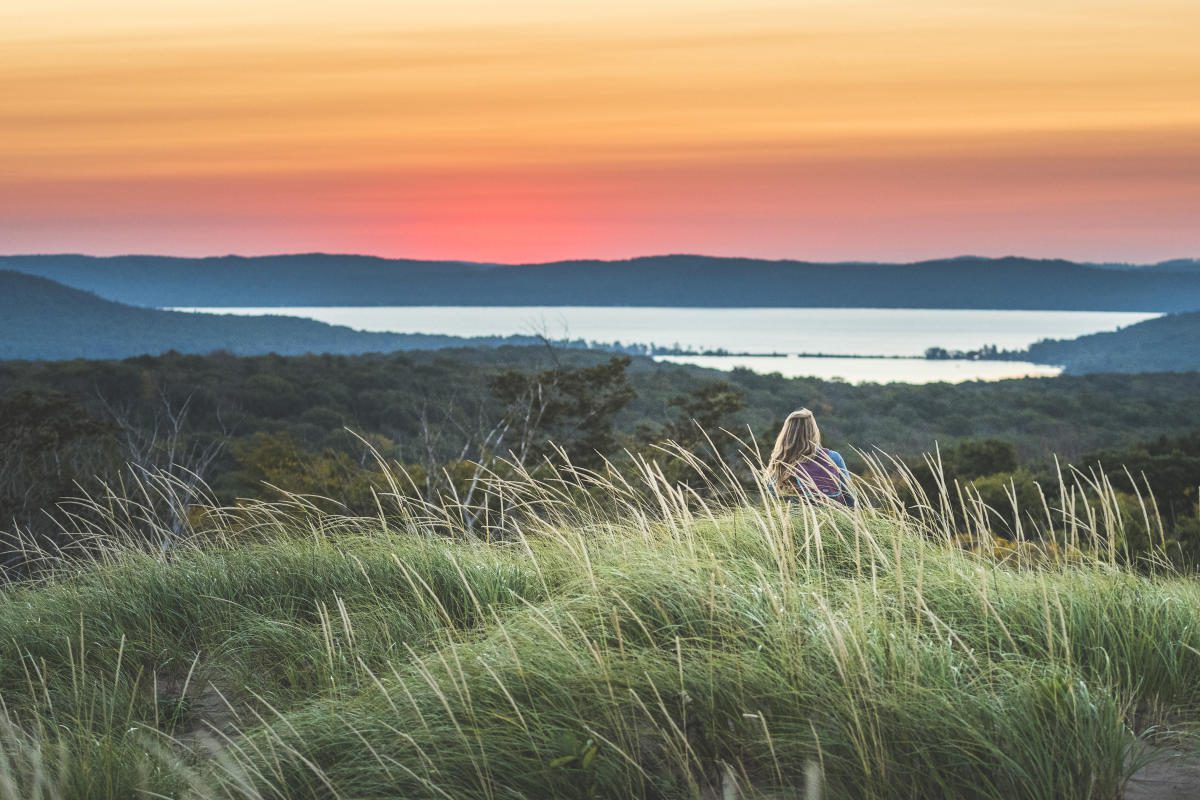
799	440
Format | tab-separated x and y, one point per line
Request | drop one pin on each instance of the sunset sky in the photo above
534	130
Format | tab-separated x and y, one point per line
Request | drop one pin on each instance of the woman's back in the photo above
824	474
801	467
819	474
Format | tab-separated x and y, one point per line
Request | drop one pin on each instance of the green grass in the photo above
643	644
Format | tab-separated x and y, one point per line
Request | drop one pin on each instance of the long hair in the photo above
799	440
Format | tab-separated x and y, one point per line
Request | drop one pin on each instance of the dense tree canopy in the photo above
317	424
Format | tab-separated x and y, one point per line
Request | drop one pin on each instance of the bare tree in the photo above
163	447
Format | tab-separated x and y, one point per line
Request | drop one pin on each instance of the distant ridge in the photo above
672	280
41	319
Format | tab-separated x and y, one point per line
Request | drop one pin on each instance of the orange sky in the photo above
535	130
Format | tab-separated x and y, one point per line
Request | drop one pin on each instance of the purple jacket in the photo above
824	474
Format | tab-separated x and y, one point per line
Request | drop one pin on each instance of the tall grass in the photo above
587	634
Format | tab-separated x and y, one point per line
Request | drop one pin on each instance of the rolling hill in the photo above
676	280
665	651
41	319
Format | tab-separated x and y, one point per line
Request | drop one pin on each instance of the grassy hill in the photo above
41	319
638	646
317	279
1166	344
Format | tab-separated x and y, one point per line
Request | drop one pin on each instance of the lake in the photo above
873	370
787	331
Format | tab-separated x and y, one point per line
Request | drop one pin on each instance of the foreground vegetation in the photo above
584	634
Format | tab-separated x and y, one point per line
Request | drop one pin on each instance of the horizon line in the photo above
845	262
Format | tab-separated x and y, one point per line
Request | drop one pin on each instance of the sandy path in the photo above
1171	775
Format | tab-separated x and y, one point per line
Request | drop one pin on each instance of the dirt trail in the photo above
1170	775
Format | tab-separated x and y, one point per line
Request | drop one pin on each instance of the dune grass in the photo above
603	637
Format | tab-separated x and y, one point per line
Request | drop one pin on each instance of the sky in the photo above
530	130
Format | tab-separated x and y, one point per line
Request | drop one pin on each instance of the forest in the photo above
234	428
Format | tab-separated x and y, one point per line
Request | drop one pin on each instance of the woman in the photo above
800	467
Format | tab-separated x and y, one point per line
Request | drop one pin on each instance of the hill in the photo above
41	319
663	649
1166	344
677	280
1178	265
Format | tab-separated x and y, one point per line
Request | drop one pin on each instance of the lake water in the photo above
786	331
873	370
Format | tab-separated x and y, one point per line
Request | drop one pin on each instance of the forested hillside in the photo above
41	319
397	394
1167	344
